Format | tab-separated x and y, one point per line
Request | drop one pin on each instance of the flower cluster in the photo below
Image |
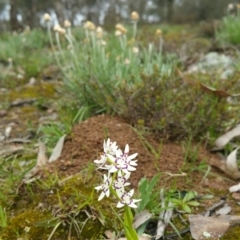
119	166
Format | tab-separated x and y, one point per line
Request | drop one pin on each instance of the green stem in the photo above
130	232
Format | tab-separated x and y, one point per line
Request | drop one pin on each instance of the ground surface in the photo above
85	142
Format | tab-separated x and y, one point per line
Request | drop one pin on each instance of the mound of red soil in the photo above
85	143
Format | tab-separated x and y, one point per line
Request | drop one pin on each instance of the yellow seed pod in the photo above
134	16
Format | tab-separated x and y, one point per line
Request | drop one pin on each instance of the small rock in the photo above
207	227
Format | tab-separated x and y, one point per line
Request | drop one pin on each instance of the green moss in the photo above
24	225
232	234
70	204
41	90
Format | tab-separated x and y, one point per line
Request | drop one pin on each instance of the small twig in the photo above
182	174
209	210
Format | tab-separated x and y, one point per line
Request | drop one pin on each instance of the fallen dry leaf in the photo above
234	188
41	161
42	158
222	167
141	218
225	138
57	149
231	162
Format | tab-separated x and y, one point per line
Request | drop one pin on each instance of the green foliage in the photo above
190	151
12	170
150	197
3	217
184	202
53	131
230	29
26	53
95	73
174	109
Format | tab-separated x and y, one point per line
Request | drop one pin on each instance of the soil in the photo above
85	143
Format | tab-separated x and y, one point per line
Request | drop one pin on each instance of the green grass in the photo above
28	53
230	30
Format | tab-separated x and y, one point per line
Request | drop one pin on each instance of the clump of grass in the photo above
98	65
229	31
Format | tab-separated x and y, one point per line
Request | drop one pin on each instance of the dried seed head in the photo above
59	29
134	16
89	25
118	33
230	6
158	32
121	28
62	31
103	43
135	50
56	27
99	32
126	61
67	24
46	17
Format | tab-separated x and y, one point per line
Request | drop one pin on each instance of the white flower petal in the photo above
132	156
101	196
126	150
98	188
131	192
119	205
107	193
132	205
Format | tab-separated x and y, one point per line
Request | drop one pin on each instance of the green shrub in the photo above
174	109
